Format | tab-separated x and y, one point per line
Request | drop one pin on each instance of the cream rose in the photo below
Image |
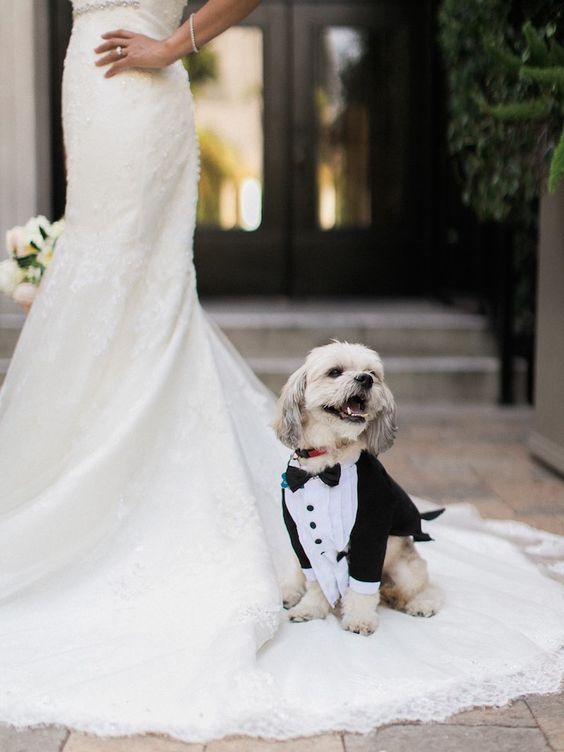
15	239
10	276
57	228
24	294
45	256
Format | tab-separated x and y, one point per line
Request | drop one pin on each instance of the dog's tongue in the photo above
353	407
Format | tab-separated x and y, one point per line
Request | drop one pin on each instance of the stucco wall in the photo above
547	438
24	122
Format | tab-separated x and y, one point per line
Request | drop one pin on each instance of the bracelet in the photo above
195	48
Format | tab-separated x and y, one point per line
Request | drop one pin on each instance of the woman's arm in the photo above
140	51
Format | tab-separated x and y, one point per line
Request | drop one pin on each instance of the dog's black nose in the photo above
365	379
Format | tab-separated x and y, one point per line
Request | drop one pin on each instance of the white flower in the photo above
24	294
10	276
45	256
33	234
15	239
57	228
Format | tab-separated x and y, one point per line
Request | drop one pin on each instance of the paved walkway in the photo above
448	455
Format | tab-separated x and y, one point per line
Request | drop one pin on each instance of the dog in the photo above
337	414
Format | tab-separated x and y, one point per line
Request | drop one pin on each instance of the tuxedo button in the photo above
309	508
312	524
318	540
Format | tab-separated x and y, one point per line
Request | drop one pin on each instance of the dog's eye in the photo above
334	372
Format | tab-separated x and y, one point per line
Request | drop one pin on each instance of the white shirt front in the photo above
324	517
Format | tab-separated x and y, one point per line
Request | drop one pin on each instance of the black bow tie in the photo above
296	477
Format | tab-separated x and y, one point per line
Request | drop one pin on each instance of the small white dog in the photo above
337	414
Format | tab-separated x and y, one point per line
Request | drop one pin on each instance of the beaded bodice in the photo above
167	12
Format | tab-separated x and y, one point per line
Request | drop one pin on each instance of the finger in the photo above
116	67
111	57
118	33
112	44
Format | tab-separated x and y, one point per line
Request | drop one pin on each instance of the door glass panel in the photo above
343	128
226	78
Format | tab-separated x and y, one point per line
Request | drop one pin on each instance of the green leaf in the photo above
556	54
505	59
550	75
538	52
42	231
532	109
34	244
25	261
557	165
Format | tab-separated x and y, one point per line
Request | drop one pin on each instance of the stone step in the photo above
413	380
420	380
431	353
392	328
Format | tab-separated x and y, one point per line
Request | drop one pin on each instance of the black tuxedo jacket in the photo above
384	509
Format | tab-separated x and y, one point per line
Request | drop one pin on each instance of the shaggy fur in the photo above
338	400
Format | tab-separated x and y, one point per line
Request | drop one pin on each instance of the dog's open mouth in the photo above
352	410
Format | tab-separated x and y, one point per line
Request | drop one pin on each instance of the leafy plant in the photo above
500	161
487	60
542	66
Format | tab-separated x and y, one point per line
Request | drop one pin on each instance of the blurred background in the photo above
371	170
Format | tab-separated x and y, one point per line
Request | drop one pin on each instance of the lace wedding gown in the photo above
141	537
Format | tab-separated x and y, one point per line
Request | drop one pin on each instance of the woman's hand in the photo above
138	51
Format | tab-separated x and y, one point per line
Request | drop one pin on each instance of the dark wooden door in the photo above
362	165
315	122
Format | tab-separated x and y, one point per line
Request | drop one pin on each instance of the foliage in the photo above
541	66
201	67
501	161
497	158
218	165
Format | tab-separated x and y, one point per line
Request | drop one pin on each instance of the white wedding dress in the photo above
141	536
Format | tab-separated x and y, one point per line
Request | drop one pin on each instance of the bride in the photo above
142	547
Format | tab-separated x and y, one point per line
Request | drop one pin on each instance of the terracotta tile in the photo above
516	714
548	711
540	496
493	507
322	743
445	738
49	739
79	742
549	522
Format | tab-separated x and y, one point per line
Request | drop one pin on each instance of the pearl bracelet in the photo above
195	48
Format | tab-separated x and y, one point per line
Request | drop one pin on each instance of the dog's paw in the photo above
292	594
366	626
426	603
313	605
306	612
359	612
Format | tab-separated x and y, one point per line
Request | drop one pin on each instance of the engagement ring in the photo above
119	51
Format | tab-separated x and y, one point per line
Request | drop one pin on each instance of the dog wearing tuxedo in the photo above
352	527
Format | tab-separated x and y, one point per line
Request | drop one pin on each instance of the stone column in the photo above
24	122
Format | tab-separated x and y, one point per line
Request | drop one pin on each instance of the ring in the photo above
119	50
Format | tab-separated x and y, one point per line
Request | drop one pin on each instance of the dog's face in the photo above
338	393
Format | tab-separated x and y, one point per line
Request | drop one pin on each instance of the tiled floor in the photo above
448	455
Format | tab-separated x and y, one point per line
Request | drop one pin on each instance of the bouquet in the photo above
30	251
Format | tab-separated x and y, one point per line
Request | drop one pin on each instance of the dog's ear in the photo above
381	431
288	421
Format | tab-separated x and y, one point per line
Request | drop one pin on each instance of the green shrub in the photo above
505	103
